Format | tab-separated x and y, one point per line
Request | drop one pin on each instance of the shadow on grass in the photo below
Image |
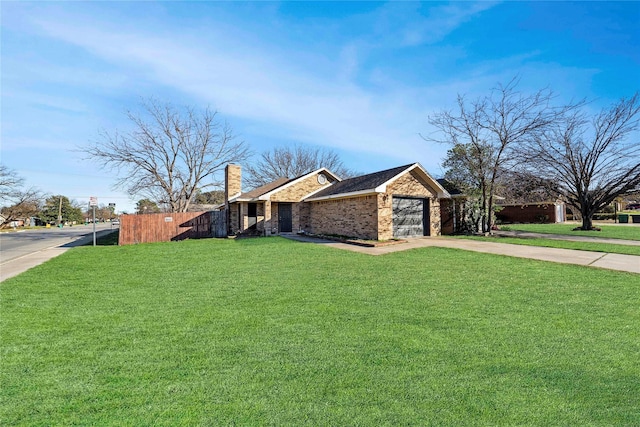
110	239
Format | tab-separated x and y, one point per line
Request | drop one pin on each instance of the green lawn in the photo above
273	332
608	231
564	244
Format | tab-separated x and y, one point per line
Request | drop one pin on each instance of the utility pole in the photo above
60	212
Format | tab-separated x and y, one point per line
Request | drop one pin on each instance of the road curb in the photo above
15	266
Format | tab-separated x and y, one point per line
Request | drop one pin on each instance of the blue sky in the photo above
357	77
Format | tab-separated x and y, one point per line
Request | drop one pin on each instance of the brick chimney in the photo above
232	181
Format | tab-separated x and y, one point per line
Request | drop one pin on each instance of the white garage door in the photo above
409	217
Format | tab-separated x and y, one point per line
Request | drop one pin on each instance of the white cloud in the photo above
282	90
402	24
317	109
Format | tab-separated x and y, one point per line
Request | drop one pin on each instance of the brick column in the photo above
267	218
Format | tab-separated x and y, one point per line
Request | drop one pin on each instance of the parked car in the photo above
115	222
633	206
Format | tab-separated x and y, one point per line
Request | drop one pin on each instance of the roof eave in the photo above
343	195
234	198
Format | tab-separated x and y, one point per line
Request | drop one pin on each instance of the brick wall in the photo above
232	187
304	211
260	217
385	216
234	219
296	220
268	218
434	212
447	215
530	213
410	184
232	181
353	217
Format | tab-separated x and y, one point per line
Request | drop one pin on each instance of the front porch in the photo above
264	218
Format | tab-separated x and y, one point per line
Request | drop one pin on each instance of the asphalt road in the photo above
18	244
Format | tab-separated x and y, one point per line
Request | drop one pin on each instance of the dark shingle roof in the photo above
361	183
447	185
257	192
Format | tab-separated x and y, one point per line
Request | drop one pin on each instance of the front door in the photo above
284	218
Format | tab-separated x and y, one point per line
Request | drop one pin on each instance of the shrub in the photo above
600	216
542	219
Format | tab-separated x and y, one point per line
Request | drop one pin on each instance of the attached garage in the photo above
410	217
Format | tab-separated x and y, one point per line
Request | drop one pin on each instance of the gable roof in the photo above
361	183
375	182
264	192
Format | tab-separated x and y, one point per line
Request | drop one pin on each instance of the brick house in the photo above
538	212
399	202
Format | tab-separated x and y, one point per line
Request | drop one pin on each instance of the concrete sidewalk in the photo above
19	265
595	239
628	263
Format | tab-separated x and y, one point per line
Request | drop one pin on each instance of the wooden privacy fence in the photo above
165	227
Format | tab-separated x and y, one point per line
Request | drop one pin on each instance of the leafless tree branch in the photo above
483	135
170	154
593	160
290	162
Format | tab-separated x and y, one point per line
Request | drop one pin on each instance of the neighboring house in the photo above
398	202
538	212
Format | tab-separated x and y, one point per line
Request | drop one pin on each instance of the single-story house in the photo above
536	212
398	202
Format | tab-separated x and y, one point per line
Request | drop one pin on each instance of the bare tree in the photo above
290	162
525	187
170	154
483	134
23	205
103	212
593	160
10	181
18	202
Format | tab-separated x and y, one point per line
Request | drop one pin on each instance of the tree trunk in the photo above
483	213
587	221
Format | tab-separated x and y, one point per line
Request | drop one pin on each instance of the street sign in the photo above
93	201
112	205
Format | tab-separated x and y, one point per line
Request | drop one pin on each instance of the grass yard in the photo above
273	332
608	231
